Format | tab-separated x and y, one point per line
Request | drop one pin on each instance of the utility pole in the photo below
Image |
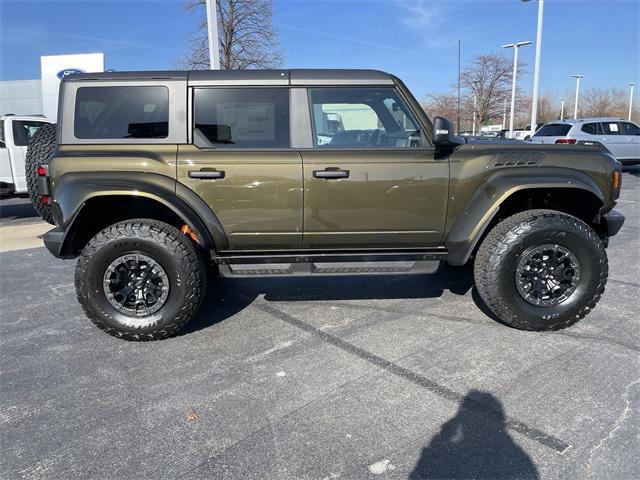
631	100
516	47
575	107
562	110
536	70
212	30
459	86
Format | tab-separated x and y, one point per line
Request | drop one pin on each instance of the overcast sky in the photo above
414	39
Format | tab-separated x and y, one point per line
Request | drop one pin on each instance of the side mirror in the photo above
443	134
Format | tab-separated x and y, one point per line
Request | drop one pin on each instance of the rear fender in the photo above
73	190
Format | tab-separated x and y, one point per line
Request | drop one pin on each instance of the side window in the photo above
590	128
121	112
629	128
611	128
23	131
361	118
2	142
241	117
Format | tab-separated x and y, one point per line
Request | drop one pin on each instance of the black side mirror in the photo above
444	134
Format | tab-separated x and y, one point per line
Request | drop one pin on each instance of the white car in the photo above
16	131
620	137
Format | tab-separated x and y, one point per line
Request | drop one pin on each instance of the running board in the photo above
329	264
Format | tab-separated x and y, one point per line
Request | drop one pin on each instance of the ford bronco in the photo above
158	175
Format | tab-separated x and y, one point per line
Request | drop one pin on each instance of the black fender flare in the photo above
485	202
73	190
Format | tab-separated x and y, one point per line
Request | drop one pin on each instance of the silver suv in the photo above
620	137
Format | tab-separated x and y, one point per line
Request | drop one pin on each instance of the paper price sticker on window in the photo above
613	127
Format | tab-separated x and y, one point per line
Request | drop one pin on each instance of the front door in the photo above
369	181
240	163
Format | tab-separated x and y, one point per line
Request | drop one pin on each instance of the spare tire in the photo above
40	150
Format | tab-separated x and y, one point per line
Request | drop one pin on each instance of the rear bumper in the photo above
613	221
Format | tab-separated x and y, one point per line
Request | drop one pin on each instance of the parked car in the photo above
618	136
158	174
16	132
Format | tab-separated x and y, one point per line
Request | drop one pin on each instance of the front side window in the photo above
126	112
241	117
24	130
361	118
629	128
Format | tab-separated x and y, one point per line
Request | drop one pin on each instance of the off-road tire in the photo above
497	258
173	251
39	151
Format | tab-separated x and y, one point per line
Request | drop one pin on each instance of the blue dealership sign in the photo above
68	71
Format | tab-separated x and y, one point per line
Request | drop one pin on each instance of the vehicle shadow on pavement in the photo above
475	443
227	296
14	209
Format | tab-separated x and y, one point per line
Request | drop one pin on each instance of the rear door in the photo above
240	162
371	179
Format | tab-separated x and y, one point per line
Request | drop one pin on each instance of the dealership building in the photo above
40	96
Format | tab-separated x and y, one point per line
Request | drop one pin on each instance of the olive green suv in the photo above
160	177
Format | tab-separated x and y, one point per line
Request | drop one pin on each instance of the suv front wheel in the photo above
140	280
541	270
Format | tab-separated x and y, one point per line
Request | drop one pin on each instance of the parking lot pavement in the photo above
20	226
348	377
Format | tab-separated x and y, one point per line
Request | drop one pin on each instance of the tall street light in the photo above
631	100
536	70
212	31
516	47
575	106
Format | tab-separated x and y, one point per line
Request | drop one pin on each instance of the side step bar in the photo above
329	263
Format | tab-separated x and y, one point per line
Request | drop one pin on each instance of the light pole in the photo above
575	106
516	47
212	31
536	69
631	100
504	114
473	128
562	110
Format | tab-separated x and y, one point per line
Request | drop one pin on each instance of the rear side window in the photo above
241	117
121	112
24	130
553	130
593	128
611	128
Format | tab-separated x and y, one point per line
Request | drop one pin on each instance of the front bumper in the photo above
53	240
613	220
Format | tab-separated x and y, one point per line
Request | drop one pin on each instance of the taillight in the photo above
566	141
42	171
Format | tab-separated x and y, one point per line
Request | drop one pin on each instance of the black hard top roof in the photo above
249	77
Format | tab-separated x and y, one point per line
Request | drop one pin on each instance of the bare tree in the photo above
488	78
246	35
599	102
441	105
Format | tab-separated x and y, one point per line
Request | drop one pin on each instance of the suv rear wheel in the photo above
541	270
140	280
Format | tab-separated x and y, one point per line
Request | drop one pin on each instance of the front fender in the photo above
73	190
485	202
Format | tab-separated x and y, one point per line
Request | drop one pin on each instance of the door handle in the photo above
206	174
329	173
